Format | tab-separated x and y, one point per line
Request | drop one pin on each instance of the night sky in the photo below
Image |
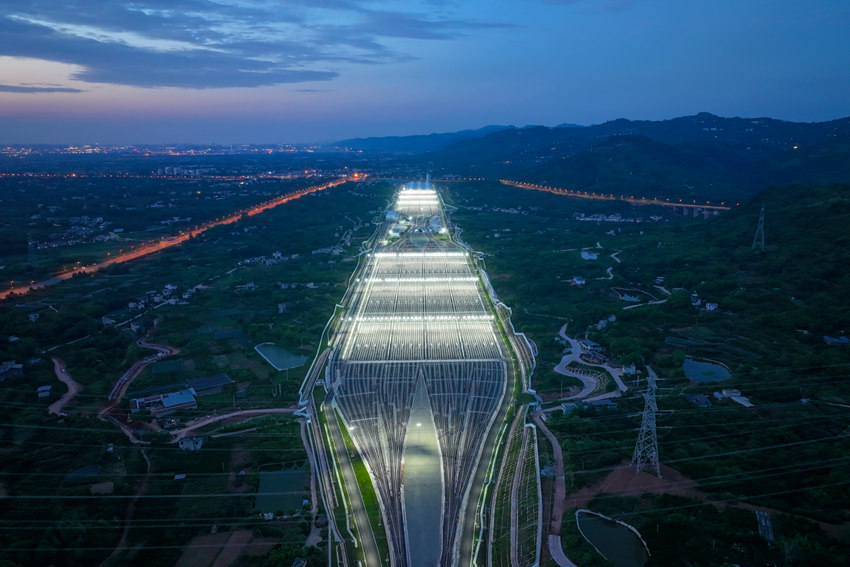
255	71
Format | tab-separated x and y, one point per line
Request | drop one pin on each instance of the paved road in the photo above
358	508
575	351
560	484
558	499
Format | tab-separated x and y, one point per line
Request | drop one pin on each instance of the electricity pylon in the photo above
646	448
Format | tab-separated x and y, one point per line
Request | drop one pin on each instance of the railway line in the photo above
420	373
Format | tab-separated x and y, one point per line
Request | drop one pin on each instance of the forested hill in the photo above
414	144
759	137
799	283
692	157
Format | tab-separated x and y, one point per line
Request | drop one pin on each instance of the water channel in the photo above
616	542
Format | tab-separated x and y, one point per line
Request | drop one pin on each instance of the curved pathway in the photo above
558	499
128	515
114	398
575	348
179	434
74	387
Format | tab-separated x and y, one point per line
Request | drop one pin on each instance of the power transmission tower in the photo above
646	448
758	241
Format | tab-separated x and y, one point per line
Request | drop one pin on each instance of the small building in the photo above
44	391
191	443
604	403
209	385
743	400
588	255
569	407
165	404
711	306
11	369
842	340
579	280
700	400
593	357
589	345
184	399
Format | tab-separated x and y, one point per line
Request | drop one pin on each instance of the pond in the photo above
617	543
700	371
281	490
280	358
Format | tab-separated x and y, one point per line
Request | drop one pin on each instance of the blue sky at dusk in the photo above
230	71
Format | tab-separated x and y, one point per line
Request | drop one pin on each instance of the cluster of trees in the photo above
774	308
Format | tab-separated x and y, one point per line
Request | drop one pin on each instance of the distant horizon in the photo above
441	132
229	72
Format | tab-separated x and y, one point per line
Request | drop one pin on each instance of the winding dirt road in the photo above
110	410
74	387
179	434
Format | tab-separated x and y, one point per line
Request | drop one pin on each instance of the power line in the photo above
758	241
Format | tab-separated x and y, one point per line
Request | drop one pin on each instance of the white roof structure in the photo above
419	356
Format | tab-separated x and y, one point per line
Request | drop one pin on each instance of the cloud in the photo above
595	5
31	89
221	43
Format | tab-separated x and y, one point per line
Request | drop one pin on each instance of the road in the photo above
128	514
325	477
109	410
559	498
179	434
133	372
316	370
575	351
155	246
74	387
612	197
372	557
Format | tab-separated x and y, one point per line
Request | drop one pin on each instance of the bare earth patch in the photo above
623	481
203	550
223	549
234	548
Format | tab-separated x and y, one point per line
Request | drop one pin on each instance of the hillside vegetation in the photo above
703	157
786	454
